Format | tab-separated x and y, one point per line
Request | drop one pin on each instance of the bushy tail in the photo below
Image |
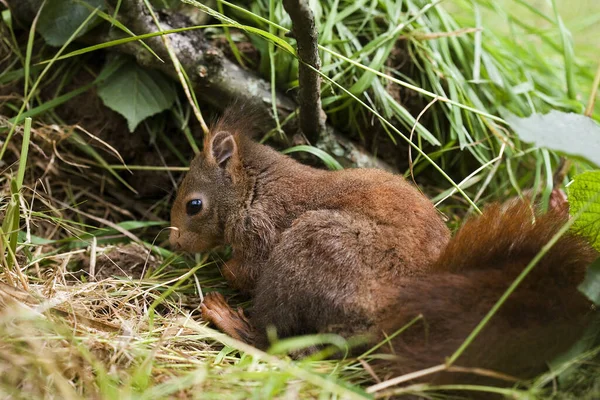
541	319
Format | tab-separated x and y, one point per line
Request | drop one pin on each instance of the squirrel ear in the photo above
222	147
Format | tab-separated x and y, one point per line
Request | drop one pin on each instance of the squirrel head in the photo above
214	190
209	193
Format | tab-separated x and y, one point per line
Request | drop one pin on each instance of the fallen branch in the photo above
215	79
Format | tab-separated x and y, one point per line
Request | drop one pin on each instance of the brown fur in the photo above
541	319
309	245
354	252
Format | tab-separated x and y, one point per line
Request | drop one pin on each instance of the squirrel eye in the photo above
193	207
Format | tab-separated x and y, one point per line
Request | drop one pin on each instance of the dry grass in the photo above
101	312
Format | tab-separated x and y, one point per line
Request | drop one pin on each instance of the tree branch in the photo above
215	79
304	30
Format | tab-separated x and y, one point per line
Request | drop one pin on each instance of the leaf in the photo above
60	19
134	92
569	133
591	284
585	189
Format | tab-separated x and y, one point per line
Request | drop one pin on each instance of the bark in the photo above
304	30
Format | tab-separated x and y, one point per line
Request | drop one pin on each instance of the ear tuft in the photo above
223	147
248	119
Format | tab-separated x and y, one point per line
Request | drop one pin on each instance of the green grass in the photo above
482	71
92	301
580	18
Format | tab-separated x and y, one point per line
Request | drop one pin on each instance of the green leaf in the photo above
569	133
136	93
60	19
585	189
591	284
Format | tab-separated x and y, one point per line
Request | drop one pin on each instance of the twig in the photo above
304	30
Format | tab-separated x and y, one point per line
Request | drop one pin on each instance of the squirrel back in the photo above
247	195
542	318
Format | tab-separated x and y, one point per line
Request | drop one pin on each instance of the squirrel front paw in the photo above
232	322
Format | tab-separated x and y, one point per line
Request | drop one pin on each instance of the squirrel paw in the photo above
232	322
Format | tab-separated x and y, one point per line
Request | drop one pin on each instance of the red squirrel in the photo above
363	252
